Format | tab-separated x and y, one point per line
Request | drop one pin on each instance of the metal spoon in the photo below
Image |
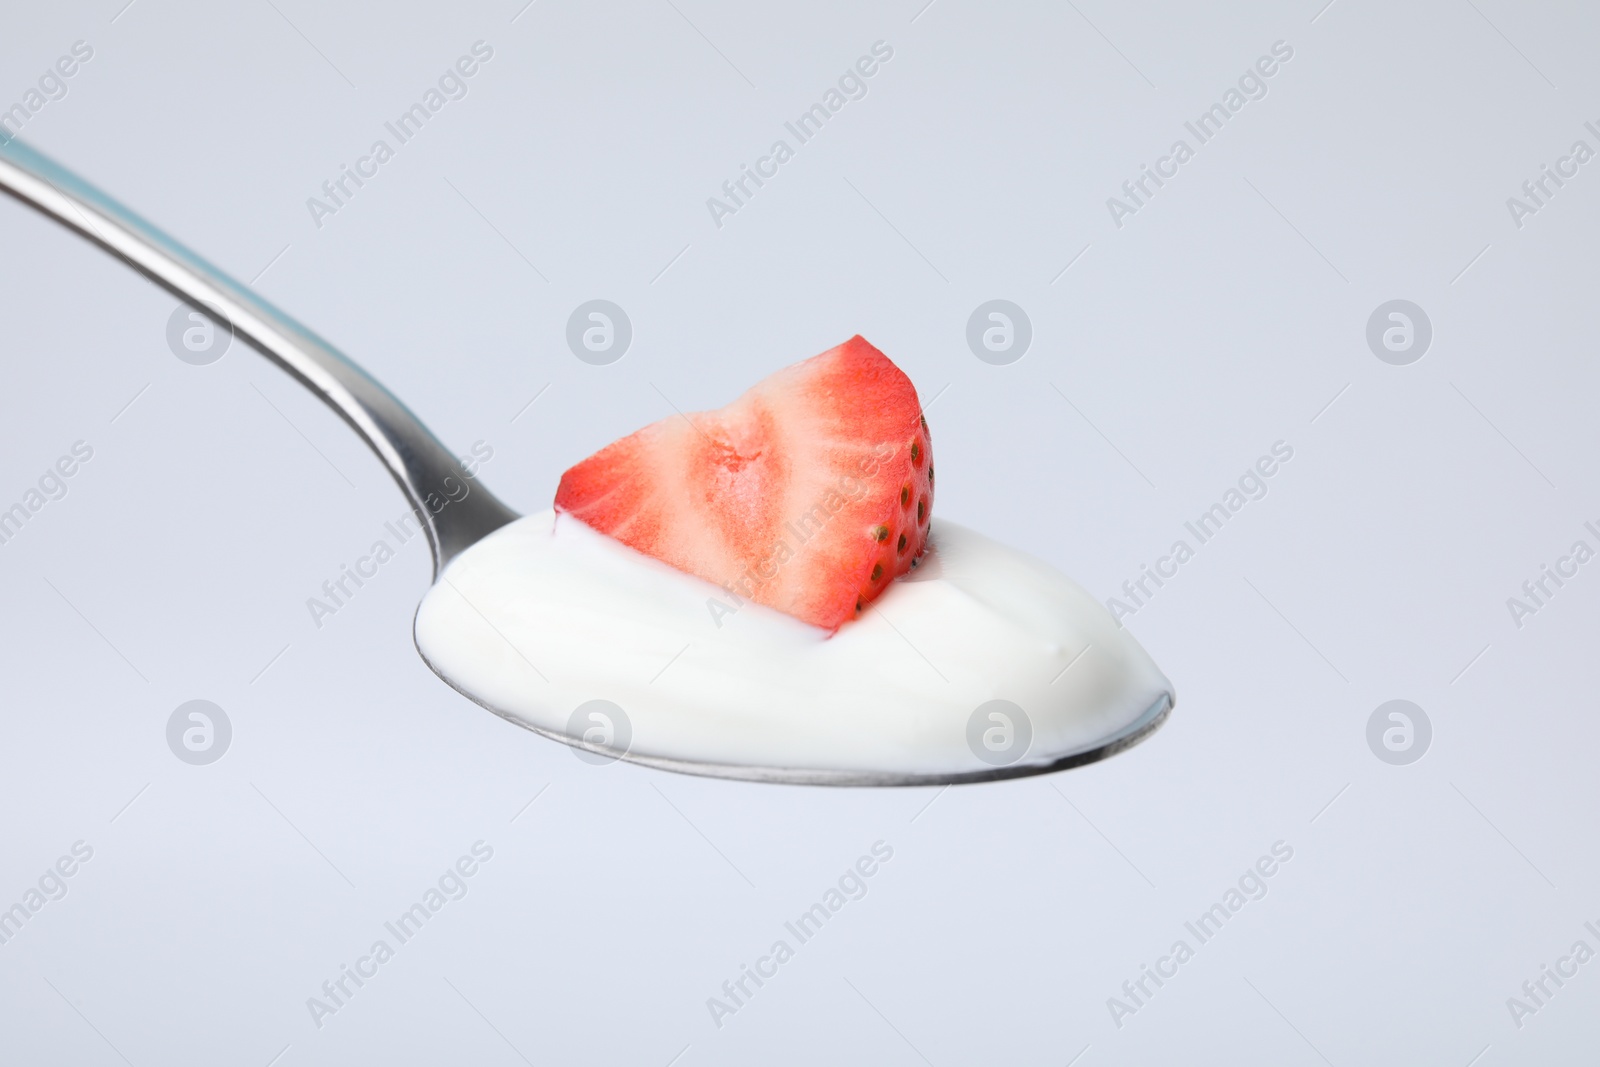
422	466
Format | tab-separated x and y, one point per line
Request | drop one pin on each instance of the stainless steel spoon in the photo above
419	463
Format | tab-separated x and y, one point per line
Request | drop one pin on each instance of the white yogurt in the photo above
547	614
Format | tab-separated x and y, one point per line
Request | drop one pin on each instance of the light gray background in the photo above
1228	314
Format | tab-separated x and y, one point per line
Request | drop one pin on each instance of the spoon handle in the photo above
453	509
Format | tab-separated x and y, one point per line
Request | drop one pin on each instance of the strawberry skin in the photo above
809	494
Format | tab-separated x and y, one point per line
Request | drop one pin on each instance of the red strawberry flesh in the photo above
809	494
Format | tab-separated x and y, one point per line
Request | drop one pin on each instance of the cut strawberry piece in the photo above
810	493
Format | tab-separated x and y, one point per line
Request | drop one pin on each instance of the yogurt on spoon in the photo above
546	615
